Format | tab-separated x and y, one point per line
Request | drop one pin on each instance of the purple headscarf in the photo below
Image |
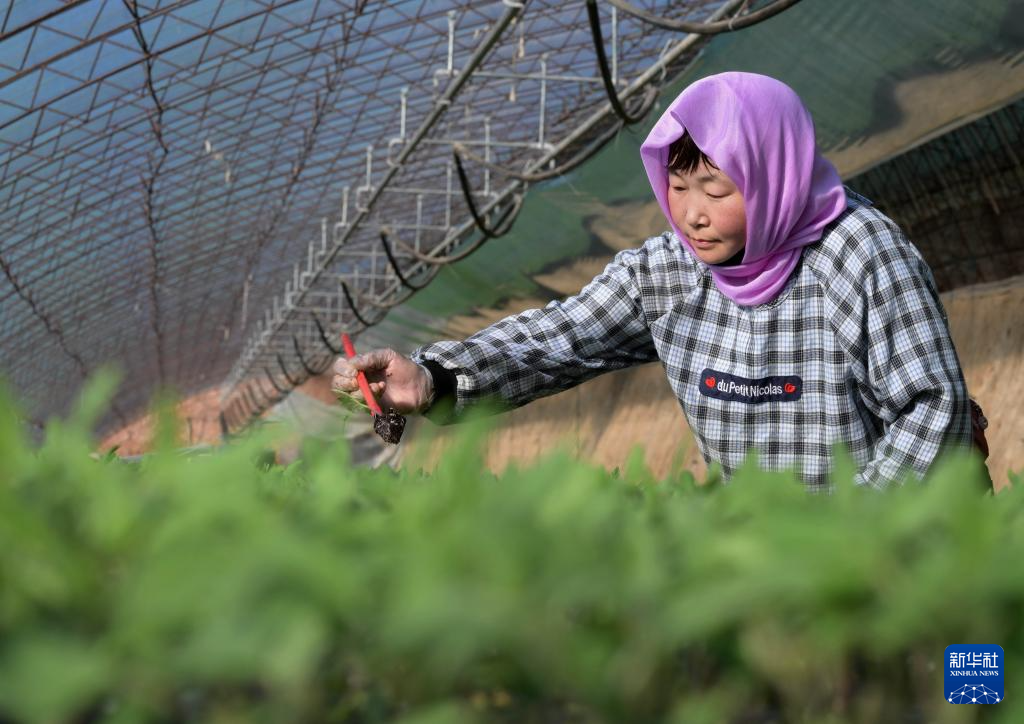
757	130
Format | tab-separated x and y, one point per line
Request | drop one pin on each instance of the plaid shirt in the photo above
854	350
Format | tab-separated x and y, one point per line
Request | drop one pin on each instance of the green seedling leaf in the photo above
350	403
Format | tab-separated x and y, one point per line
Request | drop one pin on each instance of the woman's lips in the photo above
702	243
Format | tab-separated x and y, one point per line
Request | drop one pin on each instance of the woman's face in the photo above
708	208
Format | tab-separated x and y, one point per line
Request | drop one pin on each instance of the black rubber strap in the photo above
442	409
444	380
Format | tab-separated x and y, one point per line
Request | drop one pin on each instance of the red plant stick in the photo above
350	352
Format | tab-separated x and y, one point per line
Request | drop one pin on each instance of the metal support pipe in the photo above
344	230
455	85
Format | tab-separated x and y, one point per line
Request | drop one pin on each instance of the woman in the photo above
789	314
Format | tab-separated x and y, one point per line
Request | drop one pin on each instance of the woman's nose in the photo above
695	216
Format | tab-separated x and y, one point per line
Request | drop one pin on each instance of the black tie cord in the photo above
323	337
284	371
606	74
273	381
501	228
394	265
311	371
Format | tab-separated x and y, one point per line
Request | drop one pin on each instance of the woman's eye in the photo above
679	188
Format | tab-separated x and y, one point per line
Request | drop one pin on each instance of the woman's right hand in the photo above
395	381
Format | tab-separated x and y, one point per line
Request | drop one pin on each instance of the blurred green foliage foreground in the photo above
220	588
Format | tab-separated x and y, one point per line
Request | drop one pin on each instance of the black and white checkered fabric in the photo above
858	335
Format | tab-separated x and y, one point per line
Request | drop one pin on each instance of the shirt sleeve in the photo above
543	351
892	322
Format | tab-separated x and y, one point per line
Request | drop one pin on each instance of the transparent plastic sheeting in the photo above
185	185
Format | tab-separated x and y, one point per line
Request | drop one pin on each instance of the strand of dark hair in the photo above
684	156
